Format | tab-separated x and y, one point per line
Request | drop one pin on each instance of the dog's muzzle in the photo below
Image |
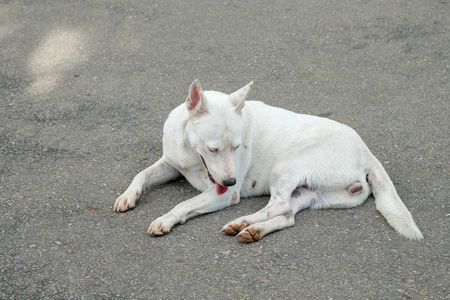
222	187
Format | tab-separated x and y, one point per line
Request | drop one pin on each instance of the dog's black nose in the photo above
230	181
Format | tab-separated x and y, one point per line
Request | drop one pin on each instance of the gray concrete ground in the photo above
85	88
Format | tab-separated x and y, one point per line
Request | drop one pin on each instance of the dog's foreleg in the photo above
159	172
206	202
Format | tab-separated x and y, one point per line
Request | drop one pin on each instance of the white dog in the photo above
229	148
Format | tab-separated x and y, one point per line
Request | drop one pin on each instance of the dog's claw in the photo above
249	235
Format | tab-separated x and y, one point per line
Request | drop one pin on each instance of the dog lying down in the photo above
229	148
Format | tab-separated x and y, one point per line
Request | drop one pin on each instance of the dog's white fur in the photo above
249	148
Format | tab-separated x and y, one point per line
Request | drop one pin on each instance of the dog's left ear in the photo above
238	97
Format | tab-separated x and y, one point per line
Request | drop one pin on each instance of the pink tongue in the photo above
221	189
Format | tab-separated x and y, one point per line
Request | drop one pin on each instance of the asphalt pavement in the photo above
85	88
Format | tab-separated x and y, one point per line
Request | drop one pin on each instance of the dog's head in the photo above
215	131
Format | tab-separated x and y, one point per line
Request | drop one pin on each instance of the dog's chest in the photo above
197	178
189	166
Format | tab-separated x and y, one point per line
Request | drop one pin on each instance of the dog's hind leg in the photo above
350	196
158	173
270	218
275	207
258	230
300	199
285	184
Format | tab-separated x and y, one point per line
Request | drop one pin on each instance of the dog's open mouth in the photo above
220	189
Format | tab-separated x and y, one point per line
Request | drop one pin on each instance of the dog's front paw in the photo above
250	234
234	227
161	226
125	202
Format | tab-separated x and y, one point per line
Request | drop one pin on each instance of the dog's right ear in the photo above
196	102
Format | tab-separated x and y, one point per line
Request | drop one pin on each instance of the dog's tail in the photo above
389	204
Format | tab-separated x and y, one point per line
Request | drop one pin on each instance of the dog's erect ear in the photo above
238	97
196	101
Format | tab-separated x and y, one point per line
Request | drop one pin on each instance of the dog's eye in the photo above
213	150
236	147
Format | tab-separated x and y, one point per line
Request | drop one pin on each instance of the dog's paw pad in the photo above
124	203
355	188
159	227
234	228
157	232
249	235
